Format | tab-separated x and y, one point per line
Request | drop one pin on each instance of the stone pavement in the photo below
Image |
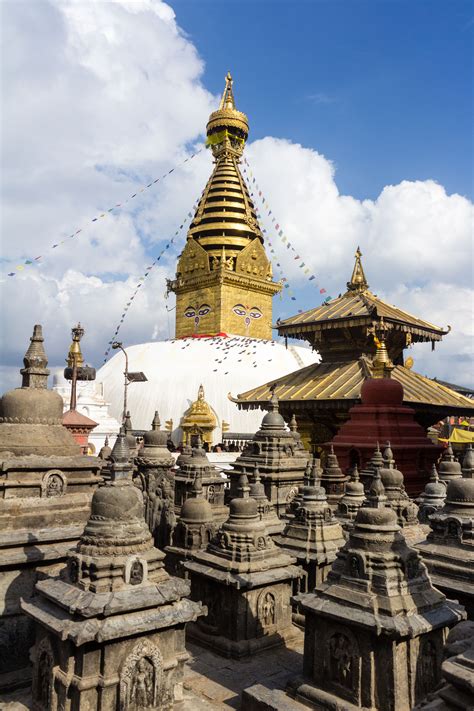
213	682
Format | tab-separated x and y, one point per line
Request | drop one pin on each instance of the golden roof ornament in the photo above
74	356
227	128
358	281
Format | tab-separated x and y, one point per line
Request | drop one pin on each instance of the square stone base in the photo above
242	648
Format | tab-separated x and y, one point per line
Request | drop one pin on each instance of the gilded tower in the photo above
224	278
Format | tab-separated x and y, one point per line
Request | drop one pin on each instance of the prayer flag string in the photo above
141	280
119	205
279	233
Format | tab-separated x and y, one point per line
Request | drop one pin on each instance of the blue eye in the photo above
190	312
240	310
256	314
204	309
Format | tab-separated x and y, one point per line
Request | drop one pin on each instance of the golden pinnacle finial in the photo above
381	364
358	281
228	101
75	354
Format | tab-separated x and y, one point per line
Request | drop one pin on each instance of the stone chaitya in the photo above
190	464
245	581
332	479
280	460
354	497
154	475
433	497
195	528
266	511
375	629
448	550
398	499
110	630
449	467
46	487
313	536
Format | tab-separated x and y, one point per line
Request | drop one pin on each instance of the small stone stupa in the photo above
433	497
354	497
375	629
279	458
155	477
332	479
110	630
449	467
448	550
194	530
398	499
374	463
313	536
197	464
245	581
265	509
46	489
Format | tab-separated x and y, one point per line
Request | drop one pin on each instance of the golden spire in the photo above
358	281
227	101
74	355
381	364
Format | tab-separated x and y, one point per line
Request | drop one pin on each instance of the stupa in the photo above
224	290
313	536
191	465
449	467
199	420
155	477
195	528
265	509
245	581
46	488
375	629
397	498
110	630
272	450
433	497
333	479
353	499
448	550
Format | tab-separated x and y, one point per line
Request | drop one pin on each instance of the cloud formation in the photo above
104	97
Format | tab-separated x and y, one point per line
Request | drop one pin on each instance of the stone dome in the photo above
382	391
391	478
460	491
196	510
376	516
176	368
31	406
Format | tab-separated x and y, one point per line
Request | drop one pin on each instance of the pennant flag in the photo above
322	291
312	277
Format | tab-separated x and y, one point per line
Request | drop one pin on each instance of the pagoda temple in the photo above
345	331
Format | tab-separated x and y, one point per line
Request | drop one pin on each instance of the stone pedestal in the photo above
280	458
46	487
193	463
246	582
110	631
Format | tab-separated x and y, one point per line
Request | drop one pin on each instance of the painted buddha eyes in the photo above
193	312
241	310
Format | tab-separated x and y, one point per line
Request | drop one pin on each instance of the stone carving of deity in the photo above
141	694
268	610
54	485
136	573
44	680
427	673
340	660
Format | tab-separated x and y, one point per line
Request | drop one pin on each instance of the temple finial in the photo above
35	373
227	100
358	281
75	354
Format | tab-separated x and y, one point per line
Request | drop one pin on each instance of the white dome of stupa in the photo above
176	368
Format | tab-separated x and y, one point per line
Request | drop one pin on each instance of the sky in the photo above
360	133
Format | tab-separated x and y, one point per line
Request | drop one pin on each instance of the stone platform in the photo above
212	682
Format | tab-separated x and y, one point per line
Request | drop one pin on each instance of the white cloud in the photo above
102	98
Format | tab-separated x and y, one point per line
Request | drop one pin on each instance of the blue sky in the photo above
381	87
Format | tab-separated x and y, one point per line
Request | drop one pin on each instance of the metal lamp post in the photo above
134	377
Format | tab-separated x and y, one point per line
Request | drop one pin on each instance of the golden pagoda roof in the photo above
358	306
333	382
200	413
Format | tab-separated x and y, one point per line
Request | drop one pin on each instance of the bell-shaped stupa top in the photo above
468	463
449	467
35	373
358	282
